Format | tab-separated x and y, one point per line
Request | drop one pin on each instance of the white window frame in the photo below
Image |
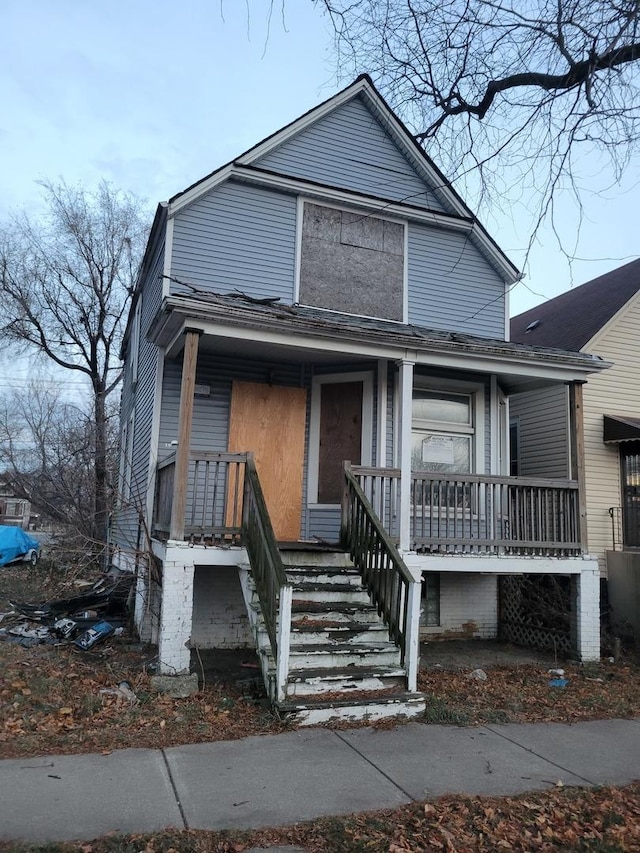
302	200
476	391
366	377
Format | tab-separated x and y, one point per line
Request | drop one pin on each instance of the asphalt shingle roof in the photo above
573	318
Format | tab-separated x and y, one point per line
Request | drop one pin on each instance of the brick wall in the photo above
468	606
177	599
220	618
586	601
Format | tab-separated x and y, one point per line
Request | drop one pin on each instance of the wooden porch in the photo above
460	514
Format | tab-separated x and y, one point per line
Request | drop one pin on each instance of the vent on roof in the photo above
532	326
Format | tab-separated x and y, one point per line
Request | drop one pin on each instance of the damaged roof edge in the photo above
232	311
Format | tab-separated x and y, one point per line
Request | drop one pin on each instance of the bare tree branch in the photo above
65	283
508	96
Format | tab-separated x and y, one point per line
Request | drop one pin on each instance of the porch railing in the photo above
477	514
224	500
267	569
214	495
393	589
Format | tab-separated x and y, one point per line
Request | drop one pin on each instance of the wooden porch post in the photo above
404	455
576	434
187	388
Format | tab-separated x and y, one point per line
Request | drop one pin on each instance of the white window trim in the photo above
477	392
366	377
302	200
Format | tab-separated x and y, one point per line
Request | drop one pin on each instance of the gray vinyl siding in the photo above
210	426
237	237
350	149
542	419
138	399
451	286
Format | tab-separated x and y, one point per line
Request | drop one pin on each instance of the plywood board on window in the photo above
269	421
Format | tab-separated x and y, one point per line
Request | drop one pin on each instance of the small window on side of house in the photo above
430	610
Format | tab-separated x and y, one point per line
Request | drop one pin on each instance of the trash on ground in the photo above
33	633
108	596
65	628
558	682
122	691
478	674
558	672
99	632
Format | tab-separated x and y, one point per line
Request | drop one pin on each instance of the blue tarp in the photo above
15	544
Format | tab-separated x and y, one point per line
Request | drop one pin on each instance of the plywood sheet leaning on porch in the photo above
269	421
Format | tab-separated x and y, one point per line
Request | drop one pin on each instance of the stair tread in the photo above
328	606
382	671
388	698
337	627
338	648
320	586
321	569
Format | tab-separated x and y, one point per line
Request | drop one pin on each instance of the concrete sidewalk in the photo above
274	780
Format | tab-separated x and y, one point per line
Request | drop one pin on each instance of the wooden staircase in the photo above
342	663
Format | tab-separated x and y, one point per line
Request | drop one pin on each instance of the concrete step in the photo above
339	655
319	632
312	712
349	680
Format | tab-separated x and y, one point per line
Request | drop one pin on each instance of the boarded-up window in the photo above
352	262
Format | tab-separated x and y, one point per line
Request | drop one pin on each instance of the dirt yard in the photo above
56	698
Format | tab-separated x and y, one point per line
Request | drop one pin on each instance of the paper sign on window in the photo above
438	449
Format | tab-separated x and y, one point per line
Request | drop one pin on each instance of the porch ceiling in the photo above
240	327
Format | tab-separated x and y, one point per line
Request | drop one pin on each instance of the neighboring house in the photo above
602	317
14	511
326	297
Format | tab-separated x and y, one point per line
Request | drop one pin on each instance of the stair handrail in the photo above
392	586
273	588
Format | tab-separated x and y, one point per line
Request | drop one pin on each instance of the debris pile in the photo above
84	620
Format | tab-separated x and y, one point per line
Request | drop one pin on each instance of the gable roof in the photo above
247	166
572	319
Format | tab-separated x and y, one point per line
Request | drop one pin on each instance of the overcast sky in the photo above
152	95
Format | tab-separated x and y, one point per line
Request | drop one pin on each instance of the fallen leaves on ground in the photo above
523	694
50	702
51	699
603	820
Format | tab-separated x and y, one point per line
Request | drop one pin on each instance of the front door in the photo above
269	420
340	436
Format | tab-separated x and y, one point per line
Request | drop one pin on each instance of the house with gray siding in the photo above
315	435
